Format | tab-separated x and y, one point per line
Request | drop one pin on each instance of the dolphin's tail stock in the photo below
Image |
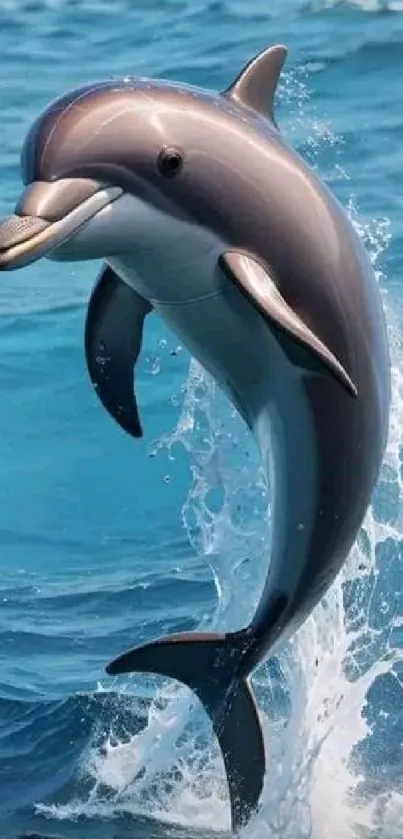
210	665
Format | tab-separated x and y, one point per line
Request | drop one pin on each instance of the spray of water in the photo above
313	698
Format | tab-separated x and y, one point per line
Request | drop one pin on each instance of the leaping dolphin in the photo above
204	214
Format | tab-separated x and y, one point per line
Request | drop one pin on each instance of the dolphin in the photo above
202	212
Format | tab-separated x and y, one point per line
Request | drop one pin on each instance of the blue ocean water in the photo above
105	542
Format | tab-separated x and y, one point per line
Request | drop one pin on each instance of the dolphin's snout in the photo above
52	201
47	214
15	230
41	204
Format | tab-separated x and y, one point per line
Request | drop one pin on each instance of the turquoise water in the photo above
105	542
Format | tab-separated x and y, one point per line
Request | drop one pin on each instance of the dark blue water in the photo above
104	542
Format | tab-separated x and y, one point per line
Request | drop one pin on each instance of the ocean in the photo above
106	542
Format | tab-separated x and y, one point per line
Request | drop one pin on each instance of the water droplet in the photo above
167	479
155	367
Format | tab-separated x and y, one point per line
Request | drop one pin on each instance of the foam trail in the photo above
313	698
374	6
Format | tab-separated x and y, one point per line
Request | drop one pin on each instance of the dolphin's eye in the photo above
170	162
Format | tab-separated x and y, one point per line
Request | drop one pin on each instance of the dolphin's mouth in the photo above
47	215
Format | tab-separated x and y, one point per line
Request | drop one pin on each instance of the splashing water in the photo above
313	698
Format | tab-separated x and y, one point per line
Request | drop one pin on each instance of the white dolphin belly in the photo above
233	342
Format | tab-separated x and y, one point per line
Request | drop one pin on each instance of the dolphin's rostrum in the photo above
202	213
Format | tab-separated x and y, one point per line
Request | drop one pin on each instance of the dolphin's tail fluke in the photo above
208	664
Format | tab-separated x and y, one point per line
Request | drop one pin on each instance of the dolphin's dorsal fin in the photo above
256	85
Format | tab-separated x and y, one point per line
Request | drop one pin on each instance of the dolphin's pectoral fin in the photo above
255	281
256	85
113	336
